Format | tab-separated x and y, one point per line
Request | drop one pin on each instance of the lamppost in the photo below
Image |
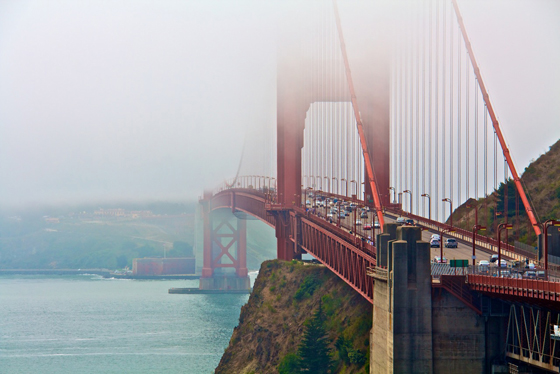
335	185
443	231
546	225
338	214
353	181
429	205
317	184
346	190
392	189
501	226
448	200
410	193
328	183
474	230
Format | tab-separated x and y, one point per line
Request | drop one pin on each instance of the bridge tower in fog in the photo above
225	248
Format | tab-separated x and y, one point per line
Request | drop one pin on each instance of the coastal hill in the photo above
272	324
541	180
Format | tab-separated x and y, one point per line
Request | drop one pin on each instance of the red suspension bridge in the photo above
407	114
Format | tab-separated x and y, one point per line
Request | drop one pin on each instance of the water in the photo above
87	324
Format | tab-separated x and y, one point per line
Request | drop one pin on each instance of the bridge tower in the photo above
225	249
297	90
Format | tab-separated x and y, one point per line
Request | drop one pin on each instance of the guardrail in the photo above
485	242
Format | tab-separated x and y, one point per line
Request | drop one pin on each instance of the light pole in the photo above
346	190
353	181
448	200
501	226
319	187
474	230
410	193
429	205
441	241
335	185
547	224
328	183
392	189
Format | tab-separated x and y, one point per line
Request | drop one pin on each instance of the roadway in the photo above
463	250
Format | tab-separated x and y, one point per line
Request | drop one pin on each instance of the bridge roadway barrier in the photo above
485	242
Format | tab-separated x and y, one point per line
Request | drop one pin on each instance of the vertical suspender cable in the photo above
430	124
443	87
423	52
452	148
486	158
467	110
406	90
459	135
436	122
476	140
402	113
495	161
417	63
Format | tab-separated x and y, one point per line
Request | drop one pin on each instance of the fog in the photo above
131	99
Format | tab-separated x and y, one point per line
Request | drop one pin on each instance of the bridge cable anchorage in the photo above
367	160
516	179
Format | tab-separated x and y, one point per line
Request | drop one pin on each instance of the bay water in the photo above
88	324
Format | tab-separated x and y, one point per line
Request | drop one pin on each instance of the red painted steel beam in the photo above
367	160
496	125
342	258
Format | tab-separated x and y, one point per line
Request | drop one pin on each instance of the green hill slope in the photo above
273	322
542	185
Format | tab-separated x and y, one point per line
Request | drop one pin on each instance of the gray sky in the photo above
151	99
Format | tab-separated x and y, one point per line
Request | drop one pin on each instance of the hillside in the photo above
542	185
272	323
92	237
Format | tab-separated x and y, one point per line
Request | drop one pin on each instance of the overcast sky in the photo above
151	99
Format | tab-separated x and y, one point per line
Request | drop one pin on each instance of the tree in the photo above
314	351
289	364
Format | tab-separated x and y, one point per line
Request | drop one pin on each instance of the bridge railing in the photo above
439	269
485	242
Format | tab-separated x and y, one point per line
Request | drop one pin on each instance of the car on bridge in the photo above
358	222
440	260
450	243
400	221
367	227
377	225
434	243
409	221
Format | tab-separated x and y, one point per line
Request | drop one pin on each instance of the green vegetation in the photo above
314	353
307	287
541	181
300	316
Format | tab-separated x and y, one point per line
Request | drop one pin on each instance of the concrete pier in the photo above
421	329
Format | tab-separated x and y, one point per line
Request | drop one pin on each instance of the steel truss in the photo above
529	337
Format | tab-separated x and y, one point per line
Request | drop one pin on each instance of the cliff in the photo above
273	322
